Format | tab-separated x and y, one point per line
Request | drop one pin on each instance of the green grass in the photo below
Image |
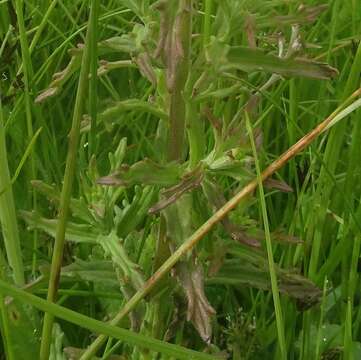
137	220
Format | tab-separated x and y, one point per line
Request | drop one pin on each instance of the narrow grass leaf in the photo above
100	327
347	111
272	268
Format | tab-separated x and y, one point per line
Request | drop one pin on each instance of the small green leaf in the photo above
132	42
113	114
144	172
97	271
179	219
112	246
79	233
78	207
124	43
227	165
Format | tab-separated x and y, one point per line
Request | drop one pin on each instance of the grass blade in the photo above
271	264
67	187
8	214
99	327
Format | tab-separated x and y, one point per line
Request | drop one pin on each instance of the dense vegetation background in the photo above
125	125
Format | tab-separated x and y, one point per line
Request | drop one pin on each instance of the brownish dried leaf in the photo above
199	310
164	28
144	64
61	77
250	28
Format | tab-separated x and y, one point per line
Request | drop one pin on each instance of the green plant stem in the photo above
99	327
353	275
347	347
28	75
8	213
93	91
208	4
196	134
67	188
320	324
214	219
271	264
